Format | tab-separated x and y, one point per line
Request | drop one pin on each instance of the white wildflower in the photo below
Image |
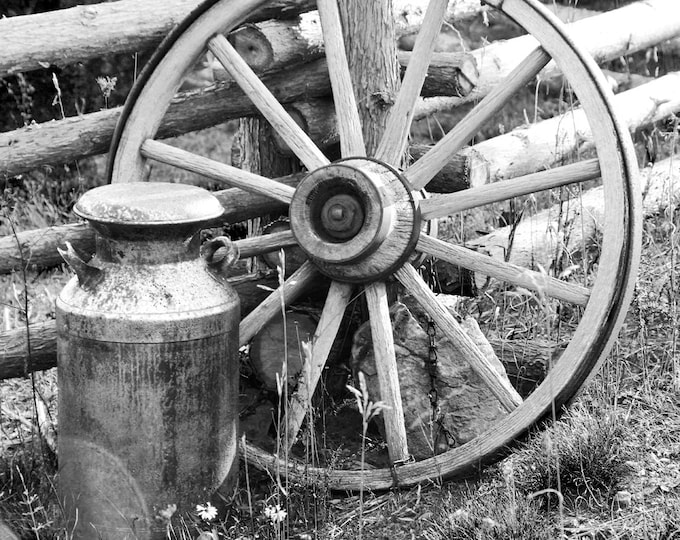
276	514
167	513
107	85
206	512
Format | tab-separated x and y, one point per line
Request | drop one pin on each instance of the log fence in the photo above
289	55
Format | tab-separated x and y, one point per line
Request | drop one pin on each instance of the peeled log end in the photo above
276	352
253	46
267	348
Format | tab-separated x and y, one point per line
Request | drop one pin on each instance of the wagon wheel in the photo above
359	220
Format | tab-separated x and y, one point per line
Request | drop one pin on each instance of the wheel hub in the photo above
357	219
342	217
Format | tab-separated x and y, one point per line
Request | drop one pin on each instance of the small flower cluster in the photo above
276	514
206	512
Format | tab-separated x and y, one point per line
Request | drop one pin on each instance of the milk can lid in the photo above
148	203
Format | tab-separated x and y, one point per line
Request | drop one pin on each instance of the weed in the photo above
27	494
368	411
107	85
490	512
582	455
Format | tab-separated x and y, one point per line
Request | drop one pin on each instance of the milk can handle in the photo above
220	253
88	275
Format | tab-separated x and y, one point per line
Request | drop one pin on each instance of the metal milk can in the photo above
148	365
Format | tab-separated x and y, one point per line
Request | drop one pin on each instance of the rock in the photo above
6	533
466	406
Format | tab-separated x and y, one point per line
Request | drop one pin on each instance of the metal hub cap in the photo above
356	219
342	216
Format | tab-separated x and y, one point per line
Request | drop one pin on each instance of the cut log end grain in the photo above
280	344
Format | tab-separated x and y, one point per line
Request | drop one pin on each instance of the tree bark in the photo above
275	344
73	138
72	35
38	248
369	33
255	151
317	118
524	362
526	149
629	29
272	45
75	34
14	359
449	74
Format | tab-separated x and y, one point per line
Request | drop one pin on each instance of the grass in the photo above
582	457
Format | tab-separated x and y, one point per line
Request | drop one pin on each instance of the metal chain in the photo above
432	361
436	418
430	277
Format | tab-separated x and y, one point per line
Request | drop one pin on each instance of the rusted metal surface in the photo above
148	368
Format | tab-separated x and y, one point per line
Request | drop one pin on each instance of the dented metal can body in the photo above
148	366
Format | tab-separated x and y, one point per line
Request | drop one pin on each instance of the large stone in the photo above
466	406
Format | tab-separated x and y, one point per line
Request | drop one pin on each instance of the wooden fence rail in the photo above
72	35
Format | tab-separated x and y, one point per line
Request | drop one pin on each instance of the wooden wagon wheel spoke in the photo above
259	245
444	205
210	168
160	85
423	170
284	295
359	221
388	374
339	296
298	141
504	271
500	387
349	124
391	146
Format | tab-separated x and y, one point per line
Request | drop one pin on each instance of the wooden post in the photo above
369	32
254	150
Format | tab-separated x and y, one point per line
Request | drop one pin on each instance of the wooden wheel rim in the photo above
610	294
